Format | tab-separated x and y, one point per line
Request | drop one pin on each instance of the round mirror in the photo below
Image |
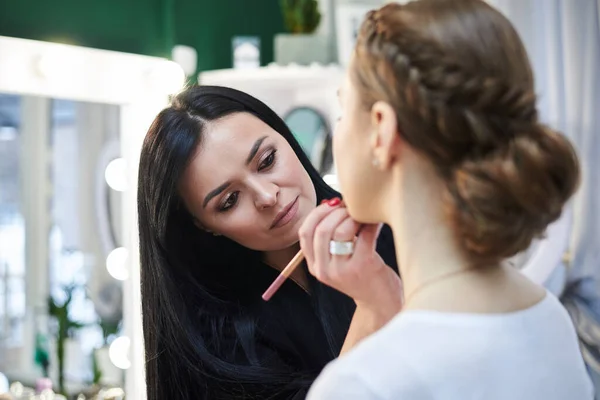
312	132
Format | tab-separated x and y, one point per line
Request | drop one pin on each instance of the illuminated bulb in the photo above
116	263
118	352
186	57
48	65
168	77
116	174
58	64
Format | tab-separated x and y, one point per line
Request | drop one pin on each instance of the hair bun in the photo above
498	204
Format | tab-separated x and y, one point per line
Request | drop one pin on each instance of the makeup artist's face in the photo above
246	183
353	155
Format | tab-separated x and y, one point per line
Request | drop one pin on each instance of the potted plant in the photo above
301	45
300	16
65	330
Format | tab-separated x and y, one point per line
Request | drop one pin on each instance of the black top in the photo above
298	341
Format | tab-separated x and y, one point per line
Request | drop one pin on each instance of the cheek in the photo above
238	222
340	142
293	175
244	226
250	229
350	156
344	152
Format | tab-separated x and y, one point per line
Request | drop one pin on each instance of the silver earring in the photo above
375	162
211	232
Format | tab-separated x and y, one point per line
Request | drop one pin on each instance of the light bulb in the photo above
186	57
167	78
116	263
116	174
118	352
59	65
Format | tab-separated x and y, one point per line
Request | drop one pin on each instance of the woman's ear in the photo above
203	228
385	140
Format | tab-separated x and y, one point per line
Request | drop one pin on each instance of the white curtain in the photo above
563	41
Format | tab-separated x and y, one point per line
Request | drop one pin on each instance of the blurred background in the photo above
79	84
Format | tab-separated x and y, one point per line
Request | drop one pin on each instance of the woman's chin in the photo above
360	214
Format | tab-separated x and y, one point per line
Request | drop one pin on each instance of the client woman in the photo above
440	139
223	189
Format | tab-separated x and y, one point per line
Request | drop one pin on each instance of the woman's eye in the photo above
229	202
268	161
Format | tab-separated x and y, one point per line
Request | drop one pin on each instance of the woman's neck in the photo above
435	272
279	259
425	246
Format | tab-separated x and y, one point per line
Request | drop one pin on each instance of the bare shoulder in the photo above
526	293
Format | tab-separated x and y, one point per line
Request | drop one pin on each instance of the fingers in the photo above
367	239
346	231
332	222
308	228
324	232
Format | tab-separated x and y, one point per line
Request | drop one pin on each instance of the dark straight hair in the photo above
199	292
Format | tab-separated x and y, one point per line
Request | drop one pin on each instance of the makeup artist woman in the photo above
223	190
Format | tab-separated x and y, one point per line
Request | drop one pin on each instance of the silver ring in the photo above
341	248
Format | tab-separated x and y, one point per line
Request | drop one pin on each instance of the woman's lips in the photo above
286	215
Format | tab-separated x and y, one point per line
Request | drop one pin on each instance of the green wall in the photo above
147	26
210	25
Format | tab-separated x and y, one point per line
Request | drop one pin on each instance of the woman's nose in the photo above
266	195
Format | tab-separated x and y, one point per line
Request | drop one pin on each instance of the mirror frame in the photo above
140	86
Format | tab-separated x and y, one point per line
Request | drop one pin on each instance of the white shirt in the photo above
531	354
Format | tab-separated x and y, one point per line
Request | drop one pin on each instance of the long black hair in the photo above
201	293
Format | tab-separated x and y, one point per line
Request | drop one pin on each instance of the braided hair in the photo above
467	102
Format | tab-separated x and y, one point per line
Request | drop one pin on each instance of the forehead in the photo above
234	132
